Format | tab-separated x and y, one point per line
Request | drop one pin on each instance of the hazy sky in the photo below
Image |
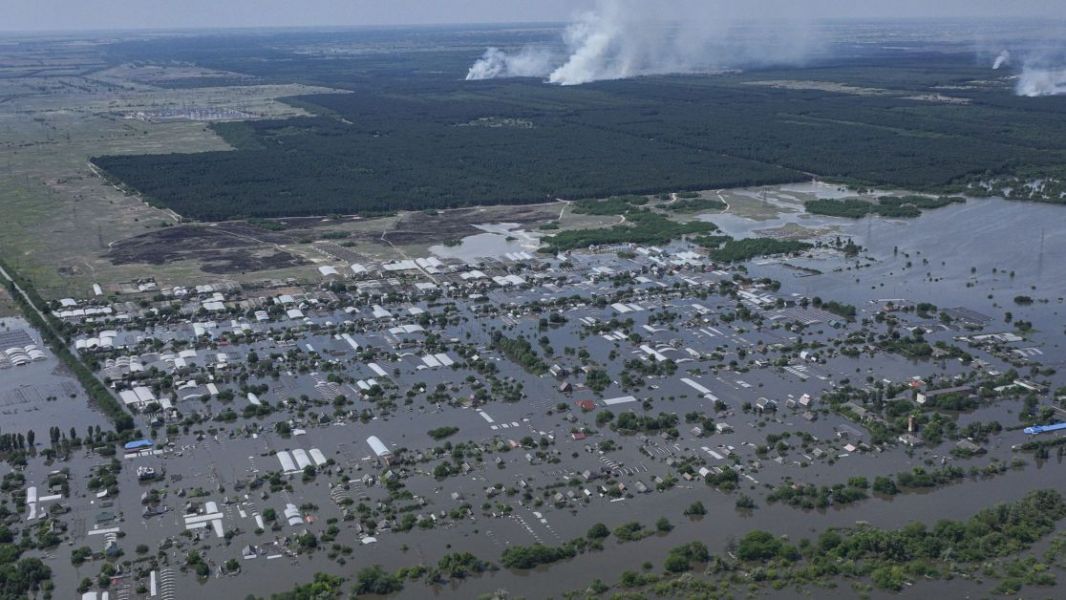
28	15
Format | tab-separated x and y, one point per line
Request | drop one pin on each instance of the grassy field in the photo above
8	308
60	218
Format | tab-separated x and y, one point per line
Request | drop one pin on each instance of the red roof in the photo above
586	404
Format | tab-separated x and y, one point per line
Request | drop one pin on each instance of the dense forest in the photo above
409	155
412	134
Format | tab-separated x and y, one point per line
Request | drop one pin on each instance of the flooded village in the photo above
488	398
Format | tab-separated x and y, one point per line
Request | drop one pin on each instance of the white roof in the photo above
351	342
128	397
400	265
302	460
292	515
286	461
378	446
402	329
506	280
431	261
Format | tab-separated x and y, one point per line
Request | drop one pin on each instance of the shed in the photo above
379	448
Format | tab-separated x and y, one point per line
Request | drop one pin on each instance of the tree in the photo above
324	587
676	563
376	580
745	502
629	532
761	545
885	485
696	509
527	557
888	577
680	558
598	532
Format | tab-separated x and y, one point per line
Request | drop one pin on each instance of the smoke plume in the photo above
1001	60
1042	72
1037	81
618	39
528	62
1032	51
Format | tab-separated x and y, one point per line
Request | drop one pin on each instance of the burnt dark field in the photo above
412	134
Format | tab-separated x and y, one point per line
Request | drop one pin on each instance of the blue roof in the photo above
135	444
1036	429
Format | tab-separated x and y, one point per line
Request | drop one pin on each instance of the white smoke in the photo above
528	62
1042	71
1001	60
617	40
1033	52
629	38
1041	81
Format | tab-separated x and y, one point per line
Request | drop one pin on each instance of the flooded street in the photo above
434	431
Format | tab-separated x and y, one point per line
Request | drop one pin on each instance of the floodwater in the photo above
717	530
42	393
978	255
954	240
499	240
820	189
984	234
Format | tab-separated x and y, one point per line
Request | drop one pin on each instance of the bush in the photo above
442	432
630	532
